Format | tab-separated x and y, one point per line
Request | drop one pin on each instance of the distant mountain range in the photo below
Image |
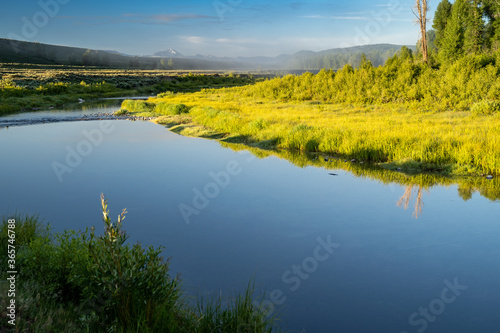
116	52
332	58
12	51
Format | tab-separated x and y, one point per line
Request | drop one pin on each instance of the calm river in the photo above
334	252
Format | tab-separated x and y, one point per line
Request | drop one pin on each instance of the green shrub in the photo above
167	109
165	94
53	88
179	109
7	83
402	80
110	281
121	112
56	262
9	88
485	107
137	105
133	281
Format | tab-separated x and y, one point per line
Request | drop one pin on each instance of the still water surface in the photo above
335	253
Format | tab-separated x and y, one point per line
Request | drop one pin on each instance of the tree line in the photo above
338	60
466	27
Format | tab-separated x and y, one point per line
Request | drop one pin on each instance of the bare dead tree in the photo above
407	197
420	11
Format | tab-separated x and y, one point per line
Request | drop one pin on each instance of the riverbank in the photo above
7	122
394	137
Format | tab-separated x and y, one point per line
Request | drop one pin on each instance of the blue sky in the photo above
210	27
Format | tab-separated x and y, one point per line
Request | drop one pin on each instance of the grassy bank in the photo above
24	87
450	142
82	282
407	178
402	115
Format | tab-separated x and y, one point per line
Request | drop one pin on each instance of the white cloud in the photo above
355	18
195	39
245	41
136	18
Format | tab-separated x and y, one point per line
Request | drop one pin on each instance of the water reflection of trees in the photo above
412	191
414	184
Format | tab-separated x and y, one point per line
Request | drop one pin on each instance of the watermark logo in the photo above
11	271
221	7
294	276
373	28
31	26
425	315
211	190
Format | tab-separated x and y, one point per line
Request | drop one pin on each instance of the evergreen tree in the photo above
441	17
365	63
405	53
474	27
492	28
452	45
431	40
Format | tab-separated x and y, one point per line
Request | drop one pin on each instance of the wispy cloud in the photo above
161	18
351	18
339	17
230	41
138	18
323	17
245	41
250	45
195	39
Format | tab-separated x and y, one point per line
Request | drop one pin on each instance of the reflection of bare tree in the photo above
407	197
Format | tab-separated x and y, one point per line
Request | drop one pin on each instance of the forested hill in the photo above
13	51
338	58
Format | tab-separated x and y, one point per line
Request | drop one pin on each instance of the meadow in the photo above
28	87
404	115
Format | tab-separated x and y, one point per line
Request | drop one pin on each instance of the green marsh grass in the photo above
77	281
456	142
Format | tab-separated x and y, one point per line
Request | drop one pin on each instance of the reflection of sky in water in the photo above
265	221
